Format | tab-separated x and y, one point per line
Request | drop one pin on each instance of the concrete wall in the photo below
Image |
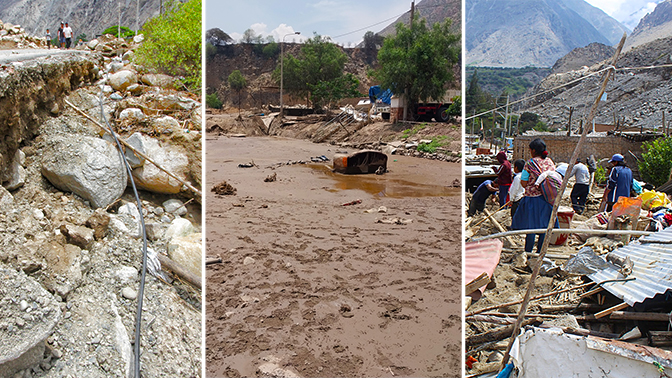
561	147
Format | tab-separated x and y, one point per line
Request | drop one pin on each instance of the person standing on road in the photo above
48	38
620	181
67	34
504	177
581	188
534	212
59	36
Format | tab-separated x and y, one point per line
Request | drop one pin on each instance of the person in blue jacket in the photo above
620	181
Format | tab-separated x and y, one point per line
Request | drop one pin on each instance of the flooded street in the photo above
315	288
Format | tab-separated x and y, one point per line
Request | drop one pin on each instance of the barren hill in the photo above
657	24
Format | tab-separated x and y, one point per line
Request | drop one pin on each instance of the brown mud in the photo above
321	289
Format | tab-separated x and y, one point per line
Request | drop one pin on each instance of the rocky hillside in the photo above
583	56
520	33
90	17
433	11
636	97
657	24
70	236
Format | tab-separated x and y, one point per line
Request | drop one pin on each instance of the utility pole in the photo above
406	90
137	16
506	117
119	24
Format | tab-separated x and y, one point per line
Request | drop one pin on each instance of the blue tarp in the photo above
376	92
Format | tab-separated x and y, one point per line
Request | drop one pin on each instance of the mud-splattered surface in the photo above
319	289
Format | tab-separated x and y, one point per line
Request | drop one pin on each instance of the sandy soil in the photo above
320	289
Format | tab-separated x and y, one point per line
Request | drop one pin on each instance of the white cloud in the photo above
628	12
282	30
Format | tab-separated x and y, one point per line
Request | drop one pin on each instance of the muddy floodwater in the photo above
318	289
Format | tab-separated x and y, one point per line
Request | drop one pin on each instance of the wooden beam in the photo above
180	271
608	311
643	316
477	282
591	292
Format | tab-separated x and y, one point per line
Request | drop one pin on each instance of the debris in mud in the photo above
247	165
346	311
400	221
355	202
224	189
381	209
271	178
457	183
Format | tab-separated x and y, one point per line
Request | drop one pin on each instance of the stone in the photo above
23	305
118	225
129	293
116	66
137	142
6	200
92	44
175	206
187	251
138	38
154	231
171	158
17	173
77	235
89	167
132	115
165	123
64	272
38	214
179	227
116	96
126	274
131	210
98	222
248	260
136	89
389	150
122	80
158	80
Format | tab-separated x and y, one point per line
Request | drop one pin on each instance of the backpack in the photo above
550	186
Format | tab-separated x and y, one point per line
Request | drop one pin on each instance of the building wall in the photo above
561	147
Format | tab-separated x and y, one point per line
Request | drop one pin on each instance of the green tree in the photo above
656	164
418	61
171	49
237	82
372	42
249	36
126	32
271	49
328	92
210	51
81	37
213	101
317	73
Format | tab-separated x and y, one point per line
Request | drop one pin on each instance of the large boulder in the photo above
89	167
17	173
151	178
159	80
123	79
133	115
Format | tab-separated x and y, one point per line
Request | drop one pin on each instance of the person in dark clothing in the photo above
59	35
504	177
517	191
581	188
481	195
620	181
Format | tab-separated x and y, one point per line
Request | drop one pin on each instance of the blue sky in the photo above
326	17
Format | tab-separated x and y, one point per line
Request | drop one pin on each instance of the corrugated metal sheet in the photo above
652	270
481	257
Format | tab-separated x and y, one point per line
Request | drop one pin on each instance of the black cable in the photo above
141	290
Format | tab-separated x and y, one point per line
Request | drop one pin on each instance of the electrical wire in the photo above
141	290
567	84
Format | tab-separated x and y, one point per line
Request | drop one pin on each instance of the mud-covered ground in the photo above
309	287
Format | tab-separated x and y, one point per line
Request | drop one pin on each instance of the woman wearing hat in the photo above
620	181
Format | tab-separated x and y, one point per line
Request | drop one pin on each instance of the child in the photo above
517	191
48	37
485	190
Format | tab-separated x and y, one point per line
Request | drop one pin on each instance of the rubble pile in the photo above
15	37
70	226
594	288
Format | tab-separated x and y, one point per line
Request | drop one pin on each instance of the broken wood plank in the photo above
180	271
477	282
591	292
213	260
643	316
608	311
499	227
660	338
546	309
584	332
498	334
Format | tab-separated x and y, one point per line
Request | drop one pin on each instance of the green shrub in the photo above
656	163
212	101
173	43
433	145
600	175
270	50
455	109
126	32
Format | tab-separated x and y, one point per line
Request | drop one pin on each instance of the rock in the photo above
116	96
389	150
129	293
118	224
127	274
175	206
6	200
92	44
23	305
135	89
132	115
179	227
187	251
133	214
159	211
64	272
165	123
77	235
248	260
151	178
116	67
123	79
158	80
138	38
137	142
154	231
98	222
38	214
17	174
86	166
